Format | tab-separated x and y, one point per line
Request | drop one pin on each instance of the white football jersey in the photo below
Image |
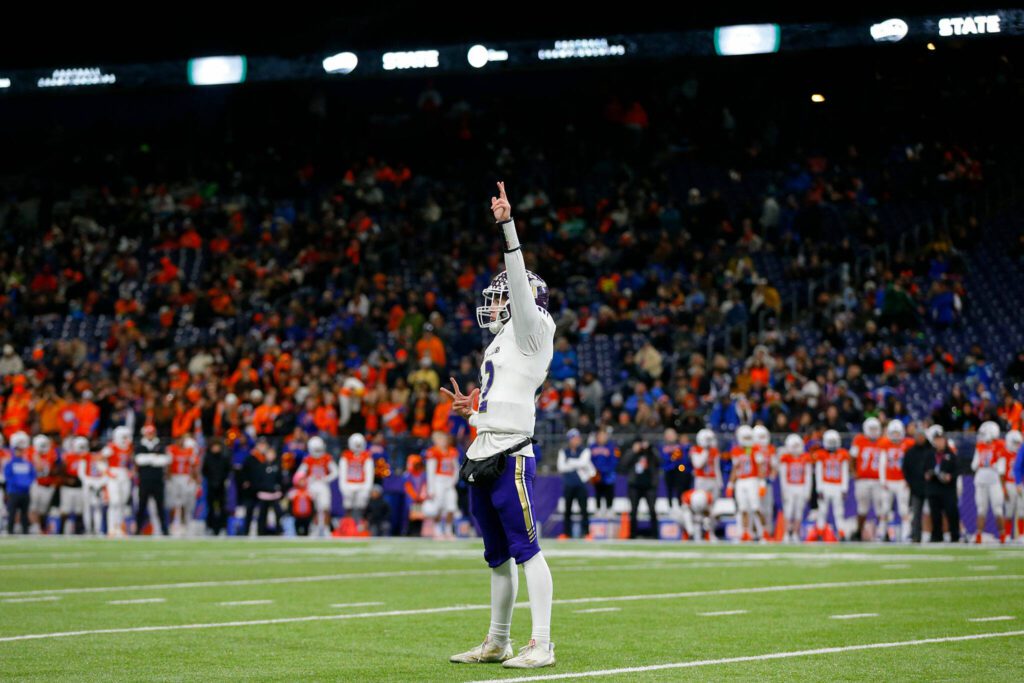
514	367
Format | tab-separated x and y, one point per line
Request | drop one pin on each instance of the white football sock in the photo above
538	583
504	586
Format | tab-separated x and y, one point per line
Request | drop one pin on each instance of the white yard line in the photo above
867	615
240	603
357	604
722	614
983	567
466	608
140	601
1003	618
597	609
478	571
758	658
45	598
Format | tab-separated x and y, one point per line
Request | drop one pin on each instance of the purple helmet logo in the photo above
496	298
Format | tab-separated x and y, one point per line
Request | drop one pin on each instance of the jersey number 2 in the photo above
486	380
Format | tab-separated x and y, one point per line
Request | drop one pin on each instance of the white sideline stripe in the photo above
758	658
142	562
465	608
594	610
243	582
301	579
722	614
240	603
1005	618
357	604
45	598
642	554
854	616
140	601
789	587
205	562
983	567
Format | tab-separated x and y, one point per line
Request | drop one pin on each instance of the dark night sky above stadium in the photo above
173	32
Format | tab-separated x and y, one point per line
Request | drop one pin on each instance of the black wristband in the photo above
505	221
509	251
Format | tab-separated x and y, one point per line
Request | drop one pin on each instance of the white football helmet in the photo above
699	500
895	431
872	428
20	441
316	446
80	445
762	437
1014	439
41	443
933	432
357	443
189	443
706	438
988	432
122	437
745	436
496	297
831	440
794	444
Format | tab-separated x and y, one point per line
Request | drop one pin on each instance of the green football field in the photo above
394	610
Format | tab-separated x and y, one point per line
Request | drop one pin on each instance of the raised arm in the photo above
527	319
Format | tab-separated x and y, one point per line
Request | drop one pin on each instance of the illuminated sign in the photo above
576	49
341	63
969	26
478	56
65	78
889	31
747	39
420	59
217	70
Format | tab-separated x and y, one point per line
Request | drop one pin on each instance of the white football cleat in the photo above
532	656
486	652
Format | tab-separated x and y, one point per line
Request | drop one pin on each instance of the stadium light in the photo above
747	39
478	56
889	31
419	59
817	98
341	63
931	46
5	83
64	78
969	26
217	70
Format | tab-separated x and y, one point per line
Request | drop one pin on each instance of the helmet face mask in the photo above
895	430
794	444
872	428
705	438
497	309
830	440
